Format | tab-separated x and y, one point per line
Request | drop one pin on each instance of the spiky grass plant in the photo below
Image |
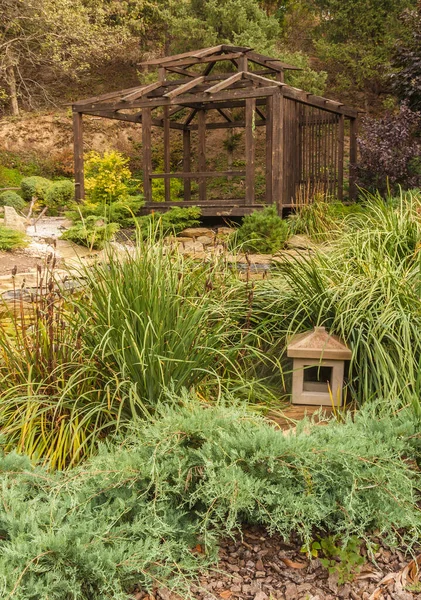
73	370
366	288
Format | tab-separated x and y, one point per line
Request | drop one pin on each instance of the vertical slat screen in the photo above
313	153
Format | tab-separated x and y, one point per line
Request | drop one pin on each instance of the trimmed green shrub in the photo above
171	222
10	198
34	187
11	239
59	194
93	232
131	516
263	231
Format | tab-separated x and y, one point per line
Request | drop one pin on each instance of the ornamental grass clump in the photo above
75	368
366	288
132	516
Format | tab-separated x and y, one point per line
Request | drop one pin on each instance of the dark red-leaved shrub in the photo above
390	152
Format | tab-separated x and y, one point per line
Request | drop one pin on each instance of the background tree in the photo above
407	80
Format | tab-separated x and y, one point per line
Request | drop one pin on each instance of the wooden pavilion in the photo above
310	141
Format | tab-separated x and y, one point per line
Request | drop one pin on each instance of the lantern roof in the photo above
318	343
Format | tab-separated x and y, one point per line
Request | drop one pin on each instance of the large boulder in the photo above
14	221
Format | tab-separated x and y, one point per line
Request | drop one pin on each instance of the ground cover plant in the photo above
11	239
133	515
364	286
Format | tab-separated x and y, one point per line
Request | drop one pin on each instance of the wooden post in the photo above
167	181
243	63
353	131
201	130
277	149
78	156
269	134
187	164
250	148
341	142
147	153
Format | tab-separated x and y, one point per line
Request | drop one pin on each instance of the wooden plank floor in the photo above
295	412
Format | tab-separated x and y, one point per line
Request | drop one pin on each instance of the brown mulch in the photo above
23	262
260	567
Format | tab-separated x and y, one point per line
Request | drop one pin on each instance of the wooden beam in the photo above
224	84
269	138
167	155
225	115
199	98
108	96
226	125
166	59
269	61
181	71
191	117
143	91
187	164
250	149
243	63
353	150
259	79
207	59
78	156
185	87
277	147
197	174
147	153
202	152
341	143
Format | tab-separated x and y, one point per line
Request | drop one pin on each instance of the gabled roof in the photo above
197	89
318	344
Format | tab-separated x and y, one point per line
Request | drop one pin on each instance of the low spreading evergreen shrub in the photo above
92	232
10	198
10	239
132	515
171	222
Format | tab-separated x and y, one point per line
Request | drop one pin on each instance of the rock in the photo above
261	596
299	242
13	220
224	232
204	239
195	232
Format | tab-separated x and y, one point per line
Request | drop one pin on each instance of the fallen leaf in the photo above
226	594
377	595
293	565
388	578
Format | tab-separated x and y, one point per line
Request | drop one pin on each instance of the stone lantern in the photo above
318	367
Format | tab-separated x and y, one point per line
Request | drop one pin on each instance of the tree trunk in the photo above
11	81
